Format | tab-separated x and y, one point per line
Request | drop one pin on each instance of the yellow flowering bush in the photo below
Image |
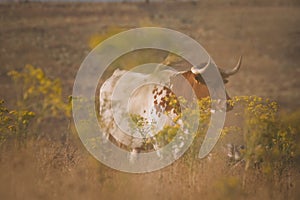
38	96
270	143
39	93
98	38
14	123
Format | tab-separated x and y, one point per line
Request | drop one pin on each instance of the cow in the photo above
149	103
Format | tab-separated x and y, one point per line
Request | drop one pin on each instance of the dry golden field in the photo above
53	164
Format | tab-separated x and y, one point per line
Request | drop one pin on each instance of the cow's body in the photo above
144	103
149	103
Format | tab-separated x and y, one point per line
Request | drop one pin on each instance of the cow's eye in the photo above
225	81
199	78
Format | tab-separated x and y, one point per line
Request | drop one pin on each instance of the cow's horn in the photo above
198	70
227	73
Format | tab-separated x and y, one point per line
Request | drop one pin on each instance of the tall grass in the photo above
268	161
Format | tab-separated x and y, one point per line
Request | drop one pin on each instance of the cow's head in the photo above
195	78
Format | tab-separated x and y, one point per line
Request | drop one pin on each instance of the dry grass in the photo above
52	170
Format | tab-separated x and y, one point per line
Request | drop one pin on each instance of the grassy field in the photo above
51	162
